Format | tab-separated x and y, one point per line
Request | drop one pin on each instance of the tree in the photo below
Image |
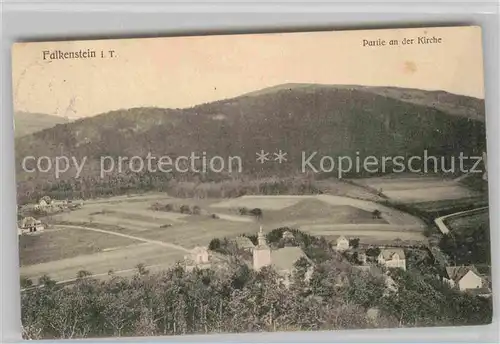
141	269
185	209
373	252
257	212
376	214
83	273
26	282
354	243
46	281
214	244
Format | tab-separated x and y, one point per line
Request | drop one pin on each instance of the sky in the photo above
180	72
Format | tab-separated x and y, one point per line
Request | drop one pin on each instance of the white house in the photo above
30	224
464	277
342	243
198	258
392	258
200	255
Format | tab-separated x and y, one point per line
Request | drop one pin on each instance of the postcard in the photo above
300	181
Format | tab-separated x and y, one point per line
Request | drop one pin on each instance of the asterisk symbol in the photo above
280	156
262	156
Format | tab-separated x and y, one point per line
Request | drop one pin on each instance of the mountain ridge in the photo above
330	121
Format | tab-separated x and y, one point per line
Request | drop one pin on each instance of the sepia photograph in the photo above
243	183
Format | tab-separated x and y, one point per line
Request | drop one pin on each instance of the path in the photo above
149	241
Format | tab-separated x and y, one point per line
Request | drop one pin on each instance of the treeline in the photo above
90	187
237	299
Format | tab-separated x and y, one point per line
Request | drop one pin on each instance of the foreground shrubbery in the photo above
237	299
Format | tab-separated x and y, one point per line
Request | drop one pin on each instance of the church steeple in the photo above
262	252
261	238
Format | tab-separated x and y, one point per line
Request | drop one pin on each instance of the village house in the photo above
287	235
466	278
342	244
43	203
201	258
392	258
30	225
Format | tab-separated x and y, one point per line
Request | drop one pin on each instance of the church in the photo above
282	260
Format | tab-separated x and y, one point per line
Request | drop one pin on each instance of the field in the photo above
124	258
119	233
65	243
461	223
410	189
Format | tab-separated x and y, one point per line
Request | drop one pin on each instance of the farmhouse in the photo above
44	202
342	244
202	258
465	278
392	258
30	224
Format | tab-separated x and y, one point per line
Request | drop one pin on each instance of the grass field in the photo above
470	221
62	253
53	245
411	189
262	202
124	258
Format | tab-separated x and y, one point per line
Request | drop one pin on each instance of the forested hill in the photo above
332	120
27	123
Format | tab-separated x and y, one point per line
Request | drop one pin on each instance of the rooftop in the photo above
456	273
243	242
387	253
285	258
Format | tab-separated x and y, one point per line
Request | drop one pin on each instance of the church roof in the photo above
285	258
387	253
243	242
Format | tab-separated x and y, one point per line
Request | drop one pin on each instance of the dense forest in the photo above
240	300
235	298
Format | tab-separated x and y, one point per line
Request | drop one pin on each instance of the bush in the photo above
185	209
196	210
257	212
214	244
26	282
